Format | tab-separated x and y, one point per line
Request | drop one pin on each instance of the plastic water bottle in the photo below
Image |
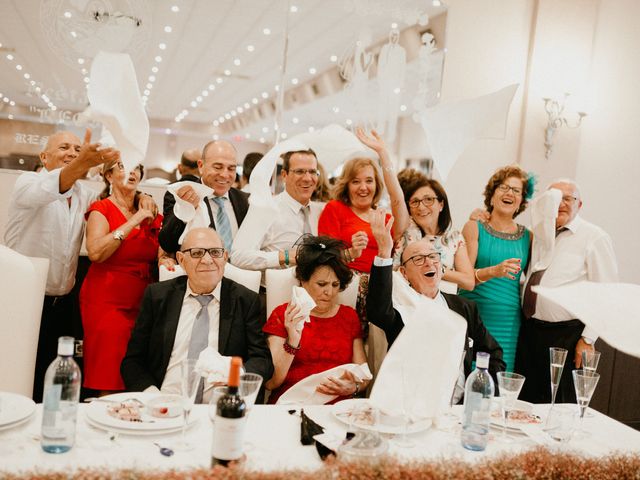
60	400
478	392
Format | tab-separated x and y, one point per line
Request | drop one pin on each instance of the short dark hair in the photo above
411	180
314	252
187	162
499	177
286	157
250	161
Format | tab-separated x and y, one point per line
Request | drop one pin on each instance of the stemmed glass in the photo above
510	385
190	380
557	359
590	360
585	382
249	387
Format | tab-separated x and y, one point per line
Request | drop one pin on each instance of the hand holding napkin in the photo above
185	211
301	298
213	367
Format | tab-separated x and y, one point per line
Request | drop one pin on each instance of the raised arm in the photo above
283	358
463	274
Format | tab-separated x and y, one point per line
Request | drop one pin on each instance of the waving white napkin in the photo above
610	309
300	297
185	211
544	211
304	392
420	370
213	366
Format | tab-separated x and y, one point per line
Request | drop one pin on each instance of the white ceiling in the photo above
206	37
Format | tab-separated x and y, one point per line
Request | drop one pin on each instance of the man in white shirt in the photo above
181	317
582	251
227	206
297	215
46	219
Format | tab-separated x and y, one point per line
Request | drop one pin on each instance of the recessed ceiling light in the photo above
277	88
212	87
219	80
254	100
250	48
295	120
265	95
205	93
216	123
227	72
154	69
175	9
198	98
293	9
12	103
311	129
84	71
333	58
216	137
261	139
240	109
168	29
336	109
283	136
227	116
236	62
349	121
81	61
167	131
18	67
312	71
294	81
27	76
247	105
247	135
162	46
221	119
73	34
396	90
194	104
265	129
394	25
152	78
149	85
158	58
233	113
403	108
437	3
32	82
9	56
266	31
147	92
86	79
67	14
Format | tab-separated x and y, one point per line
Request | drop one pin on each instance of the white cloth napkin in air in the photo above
183	210
544	211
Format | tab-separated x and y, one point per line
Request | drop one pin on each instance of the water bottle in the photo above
60	400
478	392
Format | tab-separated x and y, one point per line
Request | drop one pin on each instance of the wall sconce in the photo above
555	112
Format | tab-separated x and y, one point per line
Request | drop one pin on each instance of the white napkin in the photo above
420	370
610	309
451	127
544	211
300	297
304	392
185	211
115	102
213	366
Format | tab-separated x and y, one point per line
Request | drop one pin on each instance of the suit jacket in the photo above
172	227
169	199
381	313
152	339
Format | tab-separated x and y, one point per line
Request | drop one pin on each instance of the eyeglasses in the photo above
568	199
215	252
418	260
300	172
426	201
504	188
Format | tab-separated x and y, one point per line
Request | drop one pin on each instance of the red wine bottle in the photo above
228	427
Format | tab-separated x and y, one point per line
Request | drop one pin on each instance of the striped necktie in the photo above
223	226
200	336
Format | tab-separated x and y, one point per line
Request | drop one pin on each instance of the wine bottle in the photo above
228	429
478	393
60	400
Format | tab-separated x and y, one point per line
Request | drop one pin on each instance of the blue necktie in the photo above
200	335
223	227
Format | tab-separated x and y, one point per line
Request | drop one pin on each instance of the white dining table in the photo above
272	442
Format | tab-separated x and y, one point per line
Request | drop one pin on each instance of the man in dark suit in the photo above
169	327
422	268
226	208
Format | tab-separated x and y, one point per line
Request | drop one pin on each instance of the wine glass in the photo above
585	382
510	385
190	380
249	387
557	359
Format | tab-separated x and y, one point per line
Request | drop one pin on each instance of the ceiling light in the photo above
295	120
149	85
403	108
18	67
177	119
240	109
5	100
9	56
152	78
67	14
12	103
265	129
198	98
394	25
216	123
247	135
221	119
312	71
261	139
293	9
234	113
218	80
184	112
212	87
194	104
265	95
85	79
175	9
158	58
162	46
333	58
84	71
277	88
73	34
27	76
32	82
250	48
283	136
236	62
311	129
266	31
294	81
167	29
167	131
205	93
227	72
227	116
147	92
254	100
154	69
348	121
10	117
247	105
81	61
396	90
437	3
336	109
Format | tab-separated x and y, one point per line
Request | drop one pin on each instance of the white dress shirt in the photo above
282	234
42	224
582	252
228	208
190	309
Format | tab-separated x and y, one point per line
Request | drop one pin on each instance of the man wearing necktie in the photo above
180	318
582	251
226	207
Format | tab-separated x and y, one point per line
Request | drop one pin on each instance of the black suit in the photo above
381	313
152	339
173	227
169	199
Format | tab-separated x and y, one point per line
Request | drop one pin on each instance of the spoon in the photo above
167	452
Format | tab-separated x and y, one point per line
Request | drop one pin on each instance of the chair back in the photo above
248	278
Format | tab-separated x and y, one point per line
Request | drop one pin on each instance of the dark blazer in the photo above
173	227
152	339
169	200
381	313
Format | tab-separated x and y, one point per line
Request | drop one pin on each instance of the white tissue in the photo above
301	298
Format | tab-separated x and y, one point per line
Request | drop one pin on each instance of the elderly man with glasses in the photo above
421	267
180	318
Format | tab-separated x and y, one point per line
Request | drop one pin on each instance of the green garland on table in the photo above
534	464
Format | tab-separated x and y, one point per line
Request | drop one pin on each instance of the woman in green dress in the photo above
499	251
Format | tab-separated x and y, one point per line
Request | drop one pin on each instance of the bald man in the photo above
226	208
169	322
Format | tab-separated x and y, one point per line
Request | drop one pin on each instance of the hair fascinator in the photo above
531	185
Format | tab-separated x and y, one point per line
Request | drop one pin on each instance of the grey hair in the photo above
570	182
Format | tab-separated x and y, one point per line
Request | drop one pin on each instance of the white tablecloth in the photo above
272	442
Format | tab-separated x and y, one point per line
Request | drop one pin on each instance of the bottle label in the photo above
58	416
228	436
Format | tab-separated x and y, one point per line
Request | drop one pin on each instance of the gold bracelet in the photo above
477	277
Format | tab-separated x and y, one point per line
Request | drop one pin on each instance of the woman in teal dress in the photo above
499	251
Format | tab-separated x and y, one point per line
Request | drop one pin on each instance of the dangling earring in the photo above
110	188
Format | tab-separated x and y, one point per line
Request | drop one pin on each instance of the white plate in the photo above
386	424
97	412
137	433
19	423
512	425
14	408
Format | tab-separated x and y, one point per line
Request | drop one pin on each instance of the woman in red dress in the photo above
122	242
332	337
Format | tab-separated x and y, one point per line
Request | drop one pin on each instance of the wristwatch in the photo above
118	235
587	340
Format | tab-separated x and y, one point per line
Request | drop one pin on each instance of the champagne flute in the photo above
585	382
249	387
557	359
190	380
510	385
590	360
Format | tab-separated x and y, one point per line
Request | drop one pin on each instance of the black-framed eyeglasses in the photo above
504	188
300	172
427	201
215	252
418	260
